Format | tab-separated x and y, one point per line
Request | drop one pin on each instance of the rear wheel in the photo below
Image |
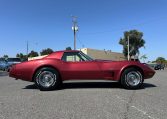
47	79
132	78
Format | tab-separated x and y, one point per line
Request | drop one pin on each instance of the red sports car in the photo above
49	72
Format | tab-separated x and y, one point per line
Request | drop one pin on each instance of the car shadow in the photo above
31	86
147	85
91	85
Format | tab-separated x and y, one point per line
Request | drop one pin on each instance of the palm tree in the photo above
143	57
135	42
160	60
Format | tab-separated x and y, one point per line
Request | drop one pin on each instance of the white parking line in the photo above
122	100
144	113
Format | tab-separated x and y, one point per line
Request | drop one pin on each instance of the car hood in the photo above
103	60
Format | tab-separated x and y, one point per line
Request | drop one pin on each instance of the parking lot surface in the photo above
84	100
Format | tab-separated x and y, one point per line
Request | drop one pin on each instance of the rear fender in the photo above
42	66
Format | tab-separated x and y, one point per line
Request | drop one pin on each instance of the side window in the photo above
69	58
72	57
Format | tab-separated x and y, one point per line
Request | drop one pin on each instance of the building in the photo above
96	54
38	57
102	54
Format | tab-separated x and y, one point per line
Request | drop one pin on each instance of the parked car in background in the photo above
11	62
6	64
151	65
3	64
159	67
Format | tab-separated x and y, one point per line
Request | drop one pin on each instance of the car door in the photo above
74	67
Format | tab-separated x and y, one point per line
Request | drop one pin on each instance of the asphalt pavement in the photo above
84	100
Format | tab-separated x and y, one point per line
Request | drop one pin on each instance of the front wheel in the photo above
47	79
131	78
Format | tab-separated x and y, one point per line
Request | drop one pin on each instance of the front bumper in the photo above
149	74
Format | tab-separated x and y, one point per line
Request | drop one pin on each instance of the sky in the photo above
47	24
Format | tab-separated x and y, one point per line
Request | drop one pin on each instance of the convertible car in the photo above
49	72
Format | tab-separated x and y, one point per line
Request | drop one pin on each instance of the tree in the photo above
135	42
160	60
68	48
33	54
46	51
153	61
25	58
143	57
20	55
5	56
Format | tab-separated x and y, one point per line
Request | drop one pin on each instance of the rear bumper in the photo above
17	74
13	73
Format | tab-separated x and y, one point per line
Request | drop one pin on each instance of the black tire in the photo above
47	79
132	78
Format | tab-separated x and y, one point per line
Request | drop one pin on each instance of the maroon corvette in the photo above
49	72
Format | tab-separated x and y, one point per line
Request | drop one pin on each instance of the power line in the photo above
120	29
127	27
82	44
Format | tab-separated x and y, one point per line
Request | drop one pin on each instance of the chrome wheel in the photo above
46	79
133	78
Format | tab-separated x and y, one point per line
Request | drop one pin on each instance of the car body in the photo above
50	71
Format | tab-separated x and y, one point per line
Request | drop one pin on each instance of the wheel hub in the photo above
46	79
133	78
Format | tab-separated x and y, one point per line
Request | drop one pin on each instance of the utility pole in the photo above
75	29
27	48
128	48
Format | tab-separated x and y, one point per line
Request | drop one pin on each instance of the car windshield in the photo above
14	60
86	56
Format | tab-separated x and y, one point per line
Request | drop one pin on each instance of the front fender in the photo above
126	66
